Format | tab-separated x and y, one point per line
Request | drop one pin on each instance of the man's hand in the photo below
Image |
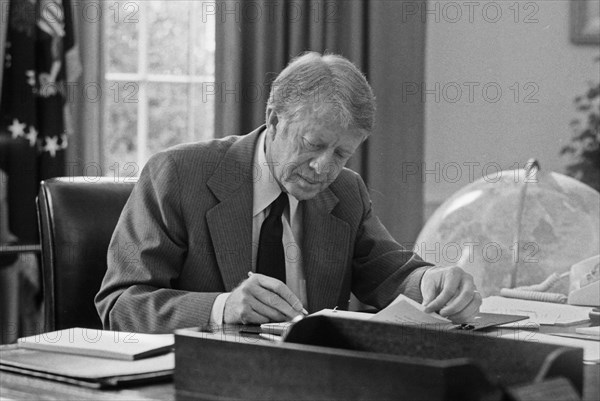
261	299
451	292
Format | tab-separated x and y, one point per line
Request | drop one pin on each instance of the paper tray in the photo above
332	358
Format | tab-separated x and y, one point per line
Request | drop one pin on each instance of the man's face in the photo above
308	154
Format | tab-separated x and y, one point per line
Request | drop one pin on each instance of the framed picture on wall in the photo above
585	22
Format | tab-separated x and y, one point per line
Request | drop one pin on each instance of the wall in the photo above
529	50
3	31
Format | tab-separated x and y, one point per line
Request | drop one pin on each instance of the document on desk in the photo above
100	343
404	310
86	371
539	312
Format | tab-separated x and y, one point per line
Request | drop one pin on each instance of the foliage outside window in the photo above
158	56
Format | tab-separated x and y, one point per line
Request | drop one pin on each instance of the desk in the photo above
18	387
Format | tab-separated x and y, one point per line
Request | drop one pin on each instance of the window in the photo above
157	56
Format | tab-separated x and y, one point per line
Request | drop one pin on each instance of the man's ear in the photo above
272	119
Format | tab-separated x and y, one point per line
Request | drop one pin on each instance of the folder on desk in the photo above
86	371
100	343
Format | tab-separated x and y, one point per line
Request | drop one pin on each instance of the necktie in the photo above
270	259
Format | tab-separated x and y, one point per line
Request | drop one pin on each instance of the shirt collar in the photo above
266	189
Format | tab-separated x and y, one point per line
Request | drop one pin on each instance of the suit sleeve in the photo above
382	268
145	257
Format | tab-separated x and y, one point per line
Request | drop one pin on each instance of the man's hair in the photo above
329	85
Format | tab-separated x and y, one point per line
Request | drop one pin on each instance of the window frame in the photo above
143	78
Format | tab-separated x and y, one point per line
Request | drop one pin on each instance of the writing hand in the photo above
451	292
261	299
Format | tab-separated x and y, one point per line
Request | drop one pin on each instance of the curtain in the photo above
84	147
254	42
3	29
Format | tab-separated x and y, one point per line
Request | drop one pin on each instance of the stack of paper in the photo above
539	312
92	358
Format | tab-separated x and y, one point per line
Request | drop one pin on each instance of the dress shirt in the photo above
265	191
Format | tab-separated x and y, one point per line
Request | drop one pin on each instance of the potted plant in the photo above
584	148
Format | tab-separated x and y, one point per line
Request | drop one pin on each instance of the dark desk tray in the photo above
334	358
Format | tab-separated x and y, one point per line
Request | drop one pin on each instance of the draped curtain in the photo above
254	42
85	144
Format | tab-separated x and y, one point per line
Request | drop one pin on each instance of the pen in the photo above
304	311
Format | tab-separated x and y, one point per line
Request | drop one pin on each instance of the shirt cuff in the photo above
218	309
413	284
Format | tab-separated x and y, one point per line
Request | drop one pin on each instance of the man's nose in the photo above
322	162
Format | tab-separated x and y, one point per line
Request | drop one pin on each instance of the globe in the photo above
515	229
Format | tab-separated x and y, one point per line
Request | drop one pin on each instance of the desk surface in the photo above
19	387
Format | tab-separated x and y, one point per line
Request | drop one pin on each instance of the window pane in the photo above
122	19
203	108
204	40
168	111
120	141
168	47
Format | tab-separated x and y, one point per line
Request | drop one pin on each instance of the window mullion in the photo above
142	107
192	28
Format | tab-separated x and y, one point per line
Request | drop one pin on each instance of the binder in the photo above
86	371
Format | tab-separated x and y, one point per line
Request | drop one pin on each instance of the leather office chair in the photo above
77	216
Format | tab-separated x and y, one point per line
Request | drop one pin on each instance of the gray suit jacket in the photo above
185	236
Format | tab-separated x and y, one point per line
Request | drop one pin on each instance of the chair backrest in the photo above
77	216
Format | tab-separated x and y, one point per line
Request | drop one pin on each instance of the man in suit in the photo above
263	227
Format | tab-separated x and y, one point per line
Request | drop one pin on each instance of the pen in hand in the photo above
303	310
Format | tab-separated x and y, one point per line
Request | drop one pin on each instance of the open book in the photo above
405	311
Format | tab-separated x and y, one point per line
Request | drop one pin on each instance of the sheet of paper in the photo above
544	313
404	310
281	328
343	313
590	331
591	349
526	324
100	343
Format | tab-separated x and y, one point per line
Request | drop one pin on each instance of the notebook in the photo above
100	343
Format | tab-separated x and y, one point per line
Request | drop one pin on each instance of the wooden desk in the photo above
19	387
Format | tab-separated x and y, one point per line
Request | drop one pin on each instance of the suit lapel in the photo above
325	252
230	222
326	238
